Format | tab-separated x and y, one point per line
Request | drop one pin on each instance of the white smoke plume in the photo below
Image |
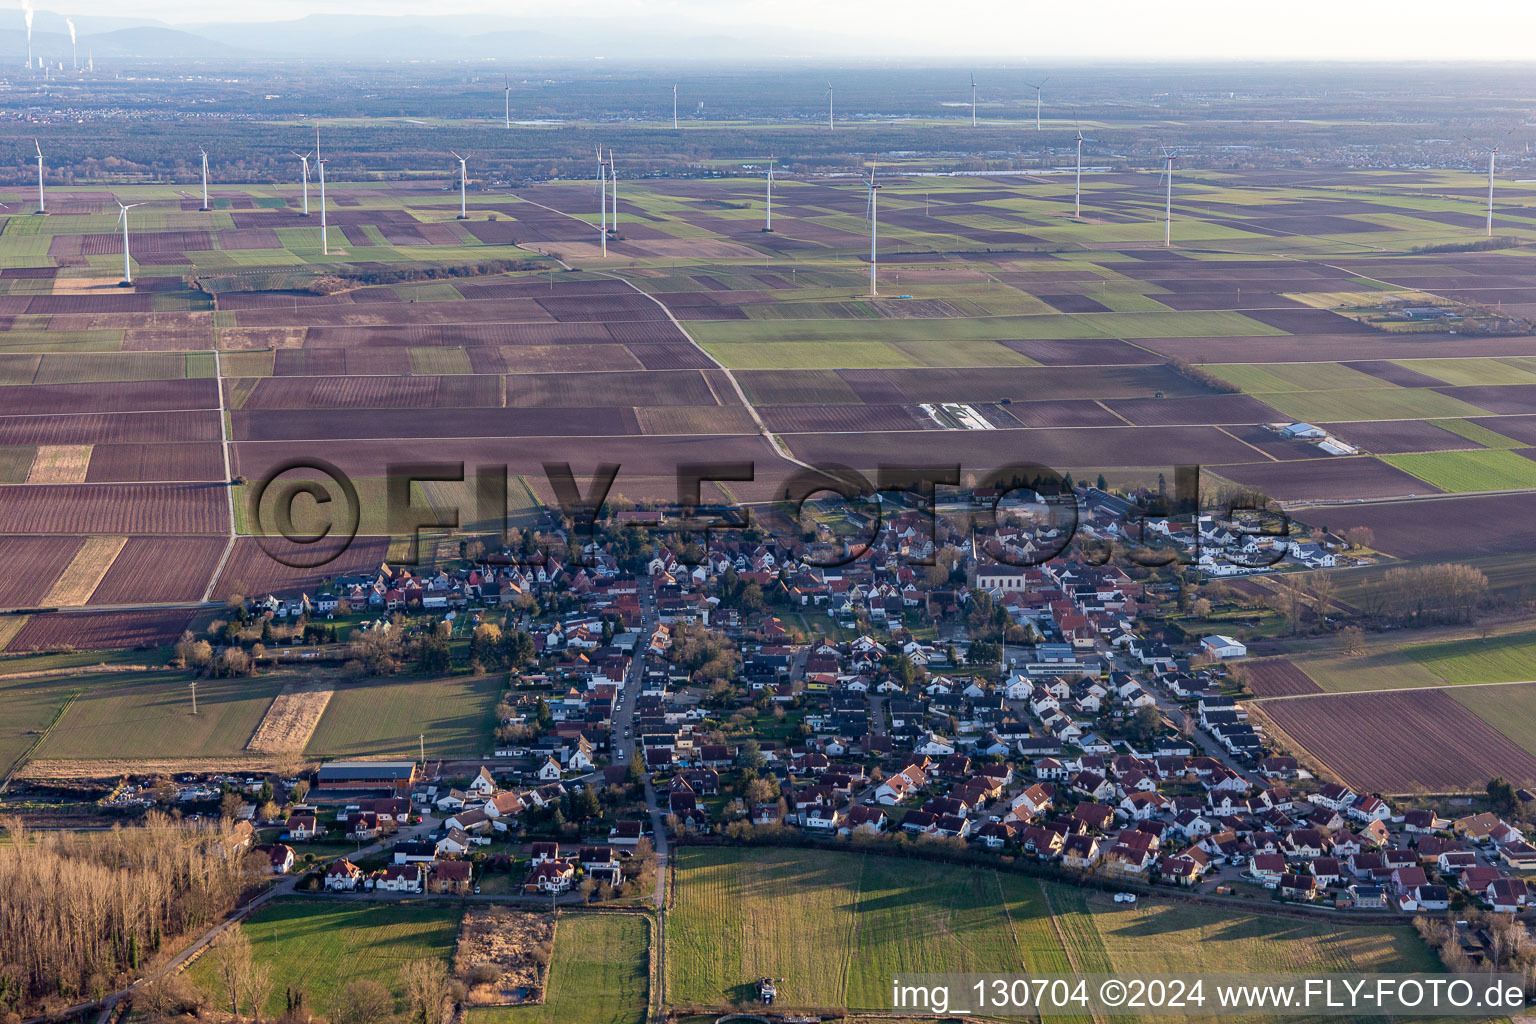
71	25
28	12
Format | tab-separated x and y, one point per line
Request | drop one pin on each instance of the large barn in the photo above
395	776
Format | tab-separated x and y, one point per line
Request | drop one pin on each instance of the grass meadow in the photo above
834	927
124	716
1498	659
1509	709
384	719
320	946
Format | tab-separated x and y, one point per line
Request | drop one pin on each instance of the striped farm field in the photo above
1350	736
1478	433
1498	659
1489	470
1270	378
833	928
1374	403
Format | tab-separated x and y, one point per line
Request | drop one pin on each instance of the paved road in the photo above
623	742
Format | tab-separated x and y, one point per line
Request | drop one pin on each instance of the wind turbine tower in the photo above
508	89
122	217
463	187
872	211
830	125
42	206
304	161
768	221
602	200
1037	89
1077	193
1493	153
325	247
613	182
205	177
973	101
674	106
1168	156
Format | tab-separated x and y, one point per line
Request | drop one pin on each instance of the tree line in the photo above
83	912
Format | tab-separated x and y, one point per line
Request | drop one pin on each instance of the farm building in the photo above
1219	646
1304	431
398	776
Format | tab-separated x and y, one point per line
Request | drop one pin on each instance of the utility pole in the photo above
194	698
421	738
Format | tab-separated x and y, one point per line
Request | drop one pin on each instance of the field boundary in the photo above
23	760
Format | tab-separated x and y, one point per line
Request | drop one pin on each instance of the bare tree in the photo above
258	988
1320	587
1288	600
231	952
363	1001
426	990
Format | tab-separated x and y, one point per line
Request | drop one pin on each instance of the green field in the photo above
127	716
384	719
599	975
1474	372
1377	670
1273	378
1491	470
1509	709
30	706
1477	433
1369	404
835	927
318	947
1498	659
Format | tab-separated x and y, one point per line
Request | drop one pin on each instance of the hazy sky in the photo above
1119	29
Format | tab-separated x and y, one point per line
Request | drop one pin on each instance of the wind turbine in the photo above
768	222
463	186
205	176
1077	195
122	216
830	125
674	106
42	207
1493	152
1037	89
304	159
872	213
973	101
508	88
1168	158
602	200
